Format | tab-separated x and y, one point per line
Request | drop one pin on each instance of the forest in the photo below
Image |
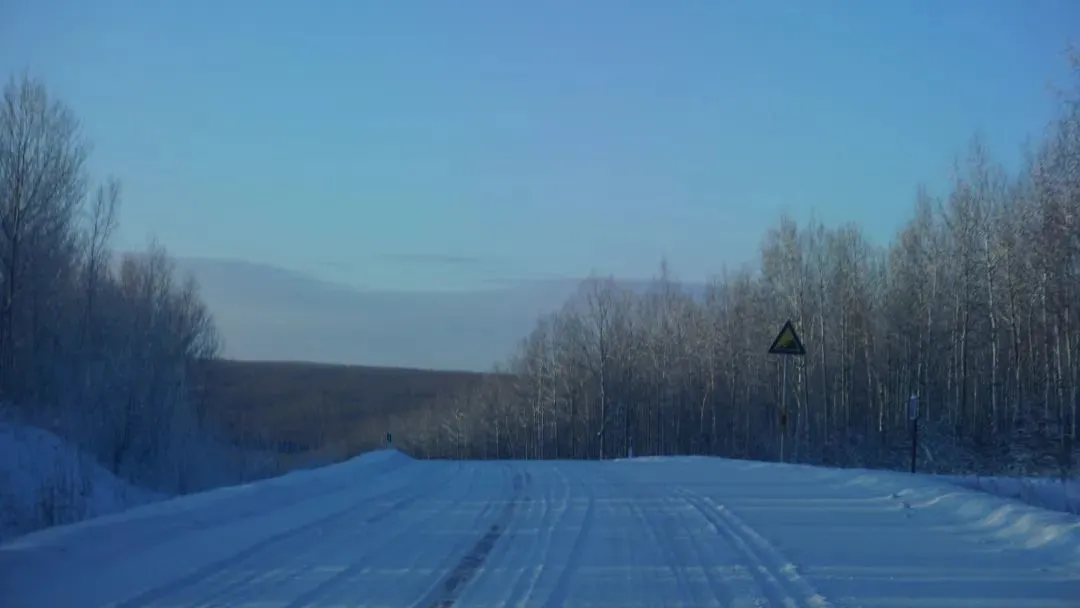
95	347
972	308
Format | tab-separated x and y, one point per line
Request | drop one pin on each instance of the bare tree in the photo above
100	354
42	181
971	307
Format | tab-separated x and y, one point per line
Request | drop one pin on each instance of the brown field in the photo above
317	410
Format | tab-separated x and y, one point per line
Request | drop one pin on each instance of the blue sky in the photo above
432	145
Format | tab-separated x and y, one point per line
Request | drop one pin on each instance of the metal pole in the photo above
783	405
913	417
782	442
914	442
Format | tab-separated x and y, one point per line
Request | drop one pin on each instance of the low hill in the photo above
325	410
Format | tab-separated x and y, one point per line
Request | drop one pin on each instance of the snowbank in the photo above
1030	512
46	482
978	511
166	543
973	509
299	491
1048	493
1051	493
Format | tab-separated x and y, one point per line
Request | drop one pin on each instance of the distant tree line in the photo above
974	307
93	347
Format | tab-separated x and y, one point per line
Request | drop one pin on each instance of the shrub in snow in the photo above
45	482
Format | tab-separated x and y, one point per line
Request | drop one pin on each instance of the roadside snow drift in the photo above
1049	493
385	530
44	482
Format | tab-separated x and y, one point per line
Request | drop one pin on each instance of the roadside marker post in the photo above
913	419
787	343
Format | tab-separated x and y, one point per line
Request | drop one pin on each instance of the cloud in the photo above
268	312
434	258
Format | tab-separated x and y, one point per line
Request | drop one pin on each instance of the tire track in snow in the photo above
446	593
462	547
216	567
265	576
664	544
323	591
778	578
552	523
673	522
706	557
534	556
159	525
557	599
524	586
239	589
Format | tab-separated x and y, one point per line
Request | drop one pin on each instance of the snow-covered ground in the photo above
1050	493
385	530
45	482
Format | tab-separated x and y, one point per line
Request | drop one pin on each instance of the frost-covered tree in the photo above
971	307
98	349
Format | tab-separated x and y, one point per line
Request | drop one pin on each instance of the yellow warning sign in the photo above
787	342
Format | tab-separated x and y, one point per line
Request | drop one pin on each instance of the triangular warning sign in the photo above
787	342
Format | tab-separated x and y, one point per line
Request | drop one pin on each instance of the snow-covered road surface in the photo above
384	530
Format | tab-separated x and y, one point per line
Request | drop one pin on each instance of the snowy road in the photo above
384	530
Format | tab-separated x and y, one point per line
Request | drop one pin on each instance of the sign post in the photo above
913	419
787	343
